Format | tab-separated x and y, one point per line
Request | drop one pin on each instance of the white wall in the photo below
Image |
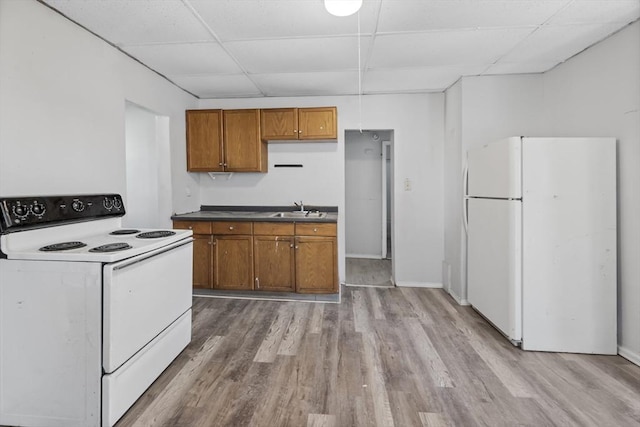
417	121
147	160
62	107
597	93
454	266
363	194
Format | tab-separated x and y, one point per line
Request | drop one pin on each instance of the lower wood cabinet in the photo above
316	258
274	256
202	253
264	256
233	262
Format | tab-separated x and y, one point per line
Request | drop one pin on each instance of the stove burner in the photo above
62	246
111	247
124	232
155	234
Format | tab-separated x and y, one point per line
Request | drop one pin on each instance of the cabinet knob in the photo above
225	164
315	230
295	131
220	164
297	246
190	228
299	131
231	227
291	245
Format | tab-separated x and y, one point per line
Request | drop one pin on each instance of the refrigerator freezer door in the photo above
494	263
495	169
569	245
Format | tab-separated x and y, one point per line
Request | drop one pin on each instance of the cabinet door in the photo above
244	151
233	262
274	263
204	140
317	123
202	254
279	123
316	265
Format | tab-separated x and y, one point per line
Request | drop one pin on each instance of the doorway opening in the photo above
148	169
369	207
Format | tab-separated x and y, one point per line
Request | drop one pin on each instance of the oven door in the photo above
143	295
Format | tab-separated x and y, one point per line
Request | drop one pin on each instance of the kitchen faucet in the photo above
301	205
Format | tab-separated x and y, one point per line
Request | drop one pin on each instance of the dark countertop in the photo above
257	213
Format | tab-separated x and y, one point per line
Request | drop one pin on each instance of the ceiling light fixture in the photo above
342	7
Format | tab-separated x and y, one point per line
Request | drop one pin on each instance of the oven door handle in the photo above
139	259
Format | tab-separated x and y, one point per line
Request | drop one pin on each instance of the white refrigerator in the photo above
540	216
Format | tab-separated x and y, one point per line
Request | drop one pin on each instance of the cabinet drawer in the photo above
273	228
198	227
230	227
316	229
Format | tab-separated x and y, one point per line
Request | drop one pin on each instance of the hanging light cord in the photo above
359	77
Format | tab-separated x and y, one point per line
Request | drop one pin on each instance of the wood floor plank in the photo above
271	343
376	389
382	357
428	354
295	329
433	419
315	323
321	420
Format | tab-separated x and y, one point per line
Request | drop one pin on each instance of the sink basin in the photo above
299	214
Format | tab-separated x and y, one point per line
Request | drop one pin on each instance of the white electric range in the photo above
90	313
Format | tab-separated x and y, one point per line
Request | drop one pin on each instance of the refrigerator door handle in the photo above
465	197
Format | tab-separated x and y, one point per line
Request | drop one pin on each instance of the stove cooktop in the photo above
96	241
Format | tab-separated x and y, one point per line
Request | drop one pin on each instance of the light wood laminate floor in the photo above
383	357
368	272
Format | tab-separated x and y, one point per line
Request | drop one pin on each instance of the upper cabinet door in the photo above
317	123
244	150
204	140
279	123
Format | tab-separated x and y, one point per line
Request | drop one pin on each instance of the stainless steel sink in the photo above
299	214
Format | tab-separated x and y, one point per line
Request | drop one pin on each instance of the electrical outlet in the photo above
407	184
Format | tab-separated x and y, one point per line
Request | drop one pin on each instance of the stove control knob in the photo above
77	205
117	203
107	203
20	211
38	209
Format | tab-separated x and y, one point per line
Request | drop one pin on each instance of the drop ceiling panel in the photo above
294	84
427	79
299	55
402	16
218	86
135	22
598	11
195	58
557	43
442	48
240	48
258	19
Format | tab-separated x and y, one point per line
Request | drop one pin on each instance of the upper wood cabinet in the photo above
279	123
299	123
225	141
204	141
244	151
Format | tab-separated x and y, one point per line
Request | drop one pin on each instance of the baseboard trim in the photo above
433	285
456	297
363	256
629	355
